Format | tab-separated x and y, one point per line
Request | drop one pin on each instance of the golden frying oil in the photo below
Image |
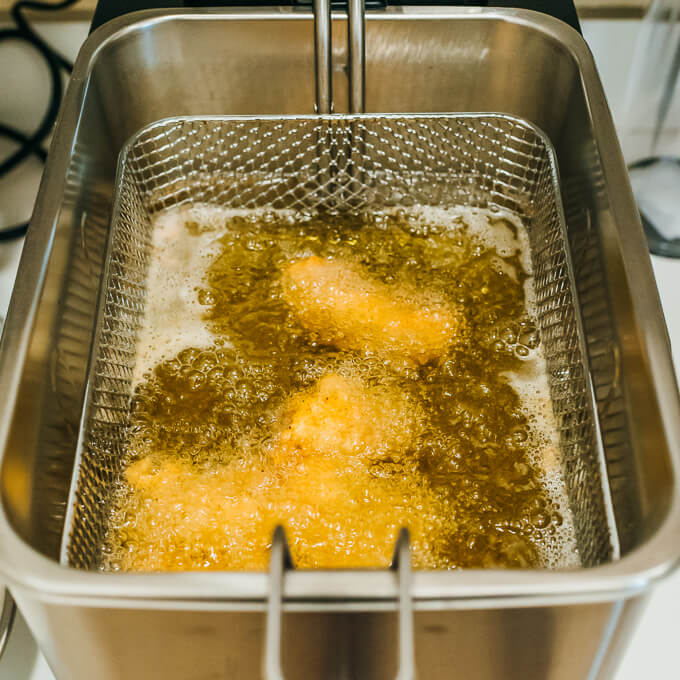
477	480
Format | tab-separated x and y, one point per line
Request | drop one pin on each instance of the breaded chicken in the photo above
349	310
182	517
342	417
336	514
317	480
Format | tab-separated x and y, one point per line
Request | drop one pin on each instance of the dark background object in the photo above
659	244
31	143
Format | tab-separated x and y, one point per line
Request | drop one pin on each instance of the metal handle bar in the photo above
356	46
323	55
402	564
281	560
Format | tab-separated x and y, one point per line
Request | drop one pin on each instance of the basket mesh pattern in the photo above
603	351
338	165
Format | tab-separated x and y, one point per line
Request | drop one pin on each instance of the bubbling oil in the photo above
461	449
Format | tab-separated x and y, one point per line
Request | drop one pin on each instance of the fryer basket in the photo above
337	165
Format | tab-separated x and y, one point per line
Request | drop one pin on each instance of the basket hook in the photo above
323	55
281	560
356	42
401	563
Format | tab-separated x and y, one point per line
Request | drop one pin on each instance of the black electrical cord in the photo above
31	144
16	13
17	136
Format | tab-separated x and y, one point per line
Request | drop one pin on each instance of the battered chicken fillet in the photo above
184	517
347	309
314	481
342	417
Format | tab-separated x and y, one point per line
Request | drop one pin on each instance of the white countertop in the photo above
655	650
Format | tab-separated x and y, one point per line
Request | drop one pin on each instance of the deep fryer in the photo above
477	624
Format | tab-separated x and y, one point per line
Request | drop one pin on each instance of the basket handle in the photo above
323	56
281	560
356	55
356	46
401	563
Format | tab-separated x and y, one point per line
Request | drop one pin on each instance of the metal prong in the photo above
279	562
356	42
402	564
323	54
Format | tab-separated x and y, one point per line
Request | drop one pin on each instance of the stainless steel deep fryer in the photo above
335	165
527	71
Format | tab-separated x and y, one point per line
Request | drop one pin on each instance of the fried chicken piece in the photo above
182	517
349	310
342	417
178	516
317	480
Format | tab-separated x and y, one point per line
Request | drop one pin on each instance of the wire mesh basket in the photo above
336	165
